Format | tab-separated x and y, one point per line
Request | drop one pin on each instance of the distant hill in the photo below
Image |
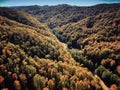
63	14
20	17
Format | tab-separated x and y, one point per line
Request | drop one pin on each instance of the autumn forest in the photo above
60	47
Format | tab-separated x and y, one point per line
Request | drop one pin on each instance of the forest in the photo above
60	47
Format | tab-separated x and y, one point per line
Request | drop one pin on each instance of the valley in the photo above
60	47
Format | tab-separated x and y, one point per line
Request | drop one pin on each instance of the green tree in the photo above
39	82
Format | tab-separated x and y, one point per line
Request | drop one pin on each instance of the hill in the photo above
103	27
95	42
32	58
19	16
63	14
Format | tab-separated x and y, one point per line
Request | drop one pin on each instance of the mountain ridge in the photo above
59	15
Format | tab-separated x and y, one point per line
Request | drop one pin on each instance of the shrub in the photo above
39	82
51	84
5	89
80	85
17	85
1	79
106	75
105	52
45	88
100	70
64	88
113	87
30	70
14	76
90	23
118	69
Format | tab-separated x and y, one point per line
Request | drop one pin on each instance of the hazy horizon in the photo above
55	2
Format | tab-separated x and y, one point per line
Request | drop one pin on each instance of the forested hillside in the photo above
92	35
63	14
32	58
97	44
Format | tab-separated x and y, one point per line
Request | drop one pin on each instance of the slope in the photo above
31	58
19	16
97	40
